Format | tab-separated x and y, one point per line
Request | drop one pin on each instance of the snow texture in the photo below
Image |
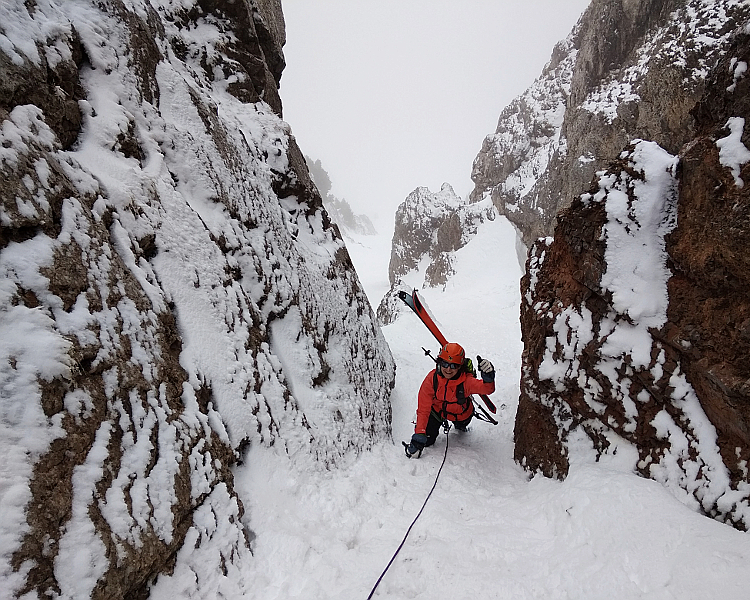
602	533
640	204
327	494
732	152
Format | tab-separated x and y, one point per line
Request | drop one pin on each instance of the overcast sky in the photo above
395	94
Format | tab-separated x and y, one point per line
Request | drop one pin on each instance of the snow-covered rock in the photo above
635	316
172	291
629	69
429	228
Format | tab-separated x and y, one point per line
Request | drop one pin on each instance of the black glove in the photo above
486	369
418	442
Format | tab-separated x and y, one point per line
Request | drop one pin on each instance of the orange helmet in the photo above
452	353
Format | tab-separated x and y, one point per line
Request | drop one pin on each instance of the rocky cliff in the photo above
429	228
635	313
629	69
172	293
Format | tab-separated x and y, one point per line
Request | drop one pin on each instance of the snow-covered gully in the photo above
487	531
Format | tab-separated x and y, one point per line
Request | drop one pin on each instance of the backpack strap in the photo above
461	397
463	400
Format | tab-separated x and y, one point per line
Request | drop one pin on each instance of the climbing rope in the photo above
446	428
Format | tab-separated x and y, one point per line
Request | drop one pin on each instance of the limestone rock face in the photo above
709	310
170	291
635	314
426	225
429	228
630	69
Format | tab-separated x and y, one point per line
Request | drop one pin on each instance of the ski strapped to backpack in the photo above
413	302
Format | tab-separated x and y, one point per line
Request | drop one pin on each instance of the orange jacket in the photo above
444	400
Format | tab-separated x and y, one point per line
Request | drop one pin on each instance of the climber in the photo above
445	394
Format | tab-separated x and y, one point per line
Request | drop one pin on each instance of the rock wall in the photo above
635	314
630	69
172	292
429	228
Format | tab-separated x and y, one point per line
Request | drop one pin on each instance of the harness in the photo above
461	398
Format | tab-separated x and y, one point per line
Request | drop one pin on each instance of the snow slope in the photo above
487	531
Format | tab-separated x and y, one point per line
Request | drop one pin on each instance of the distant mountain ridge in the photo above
429	228
338	208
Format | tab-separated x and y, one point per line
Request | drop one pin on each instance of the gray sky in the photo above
395	94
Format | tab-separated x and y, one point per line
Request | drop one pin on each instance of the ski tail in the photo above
482	414
413	302
490	404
